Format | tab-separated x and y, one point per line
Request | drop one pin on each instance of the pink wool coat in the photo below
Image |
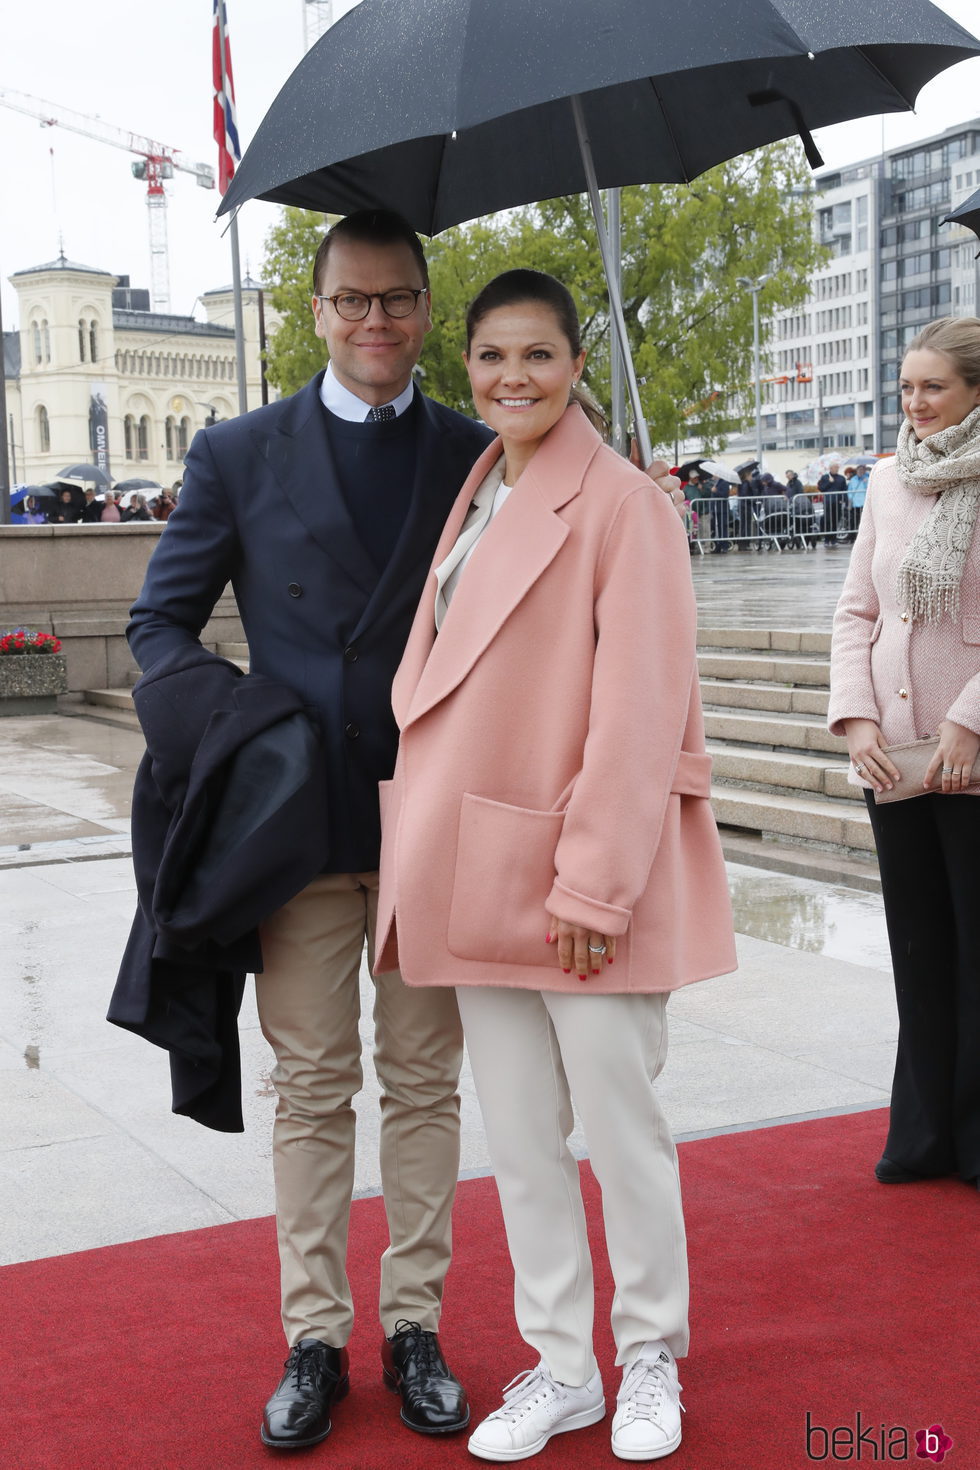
552	746
906	676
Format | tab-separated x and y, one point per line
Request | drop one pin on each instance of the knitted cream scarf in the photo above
946	464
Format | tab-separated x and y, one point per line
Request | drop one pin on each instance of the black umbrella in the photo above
85	472
450	109
122	487
39	492
967	213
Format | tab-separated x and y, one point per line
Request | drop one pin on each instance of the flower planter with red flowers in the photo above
33	672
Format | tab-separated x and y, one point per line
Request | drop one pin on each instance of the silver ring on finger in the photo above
858	767
947	770
597	949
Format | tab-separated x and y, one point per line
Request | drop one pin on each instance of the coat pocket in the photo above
505	869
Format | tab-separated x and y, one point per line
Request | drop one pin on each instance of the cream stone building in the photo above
87	339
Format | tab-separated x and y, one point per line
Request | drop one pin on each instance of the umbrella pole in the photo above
615	298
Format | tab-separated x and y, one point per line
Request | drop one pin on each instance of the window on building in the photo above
36	340
46	337
170	437
43	430
183	436
143	438
82	340
129	436
93	340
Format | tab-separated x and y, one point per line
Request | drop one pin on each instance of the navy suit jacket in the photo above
261	507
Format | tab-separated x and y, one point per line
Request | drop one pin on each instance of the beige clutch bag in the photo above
912	761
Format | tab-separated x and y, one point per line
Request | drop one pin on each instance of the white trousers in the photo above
532	1053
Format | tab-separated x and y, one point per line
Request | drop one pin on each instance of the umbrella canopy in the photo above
861	461
471	112
123	487
40	492
719	470
88	472
967	213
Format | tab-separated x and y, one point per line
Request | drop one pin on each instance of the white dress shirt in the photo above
347	405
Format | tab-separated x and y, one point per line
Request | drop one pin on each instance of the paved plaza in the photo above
89	1151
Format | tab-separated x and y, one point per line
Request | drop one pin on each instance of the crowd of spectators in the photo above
758	507
69	505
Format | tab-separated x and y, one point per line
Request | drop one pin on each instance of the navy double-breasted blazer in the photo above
261	508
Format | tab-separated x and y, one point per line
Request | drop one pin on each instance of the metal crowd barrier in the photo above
770	522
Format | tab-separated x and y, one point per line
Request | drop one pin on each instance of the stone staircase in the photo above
780	791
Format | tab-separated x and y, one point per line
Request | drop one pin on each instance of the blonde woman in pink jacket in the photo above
905	665
549	849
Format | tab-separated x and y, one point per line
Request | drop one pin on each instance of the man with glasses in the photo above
323	511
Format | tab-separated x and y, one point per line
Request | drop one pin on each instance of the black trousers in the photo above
928	855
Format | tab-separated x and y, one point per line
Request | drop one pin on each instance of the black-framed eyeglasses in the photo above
354	306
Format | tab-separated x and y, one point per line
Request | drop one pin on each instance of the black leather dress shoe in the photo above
433	1401
298	1414
888	1172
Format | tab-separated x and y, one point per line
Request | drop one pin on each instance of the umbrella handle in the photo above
615	298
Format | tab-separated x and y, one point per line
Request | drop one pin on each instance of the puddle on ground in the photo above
841	923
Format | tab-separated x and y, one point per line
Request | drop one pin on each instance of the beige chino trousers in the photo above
309	1008
532	1052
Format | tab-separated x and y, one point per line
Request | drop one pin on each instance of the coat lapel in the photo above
302	462
519	544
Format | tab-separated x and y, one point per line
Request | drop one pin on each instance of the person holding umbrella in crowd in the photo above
905	666
833	488
92	509
549	797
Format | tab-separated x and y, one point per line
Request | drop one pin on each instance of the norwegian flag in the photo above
225	121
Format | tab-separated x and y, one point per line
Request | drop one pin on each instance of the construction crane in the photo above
156	163
317	18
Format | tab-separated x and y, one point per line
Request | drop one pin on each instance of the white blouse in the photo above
487	501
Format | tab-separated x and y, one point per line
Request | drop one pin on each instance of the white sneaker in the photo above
647	1421
535	1407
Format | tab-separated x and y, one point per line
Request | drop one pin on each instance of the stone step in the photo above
120	714
756	850
770	770
774	731
810	670
784	640
113	698
236	653
781	698
826	821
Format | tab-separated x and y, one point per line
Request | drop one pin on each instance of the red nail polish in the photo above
608	961
583	977
547	939
567	972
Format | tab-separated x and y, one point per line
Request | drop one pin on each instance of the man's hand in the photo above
657	470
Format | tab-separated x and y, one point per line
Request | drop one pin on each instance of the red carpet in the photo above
815	1290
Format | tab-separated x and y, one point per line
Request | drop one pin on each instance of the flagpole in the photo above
236	269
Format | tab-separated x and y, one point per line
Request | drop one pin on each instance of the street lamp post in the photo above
755	287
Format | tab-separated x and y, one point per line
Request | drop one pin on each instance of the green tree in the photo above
690	323
294	354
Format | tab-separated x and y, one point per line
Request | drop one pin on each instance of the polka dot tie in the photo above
381	415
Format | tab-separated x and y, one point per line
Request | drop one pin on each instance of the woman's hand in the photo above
580	949
866	749
658	471
954	758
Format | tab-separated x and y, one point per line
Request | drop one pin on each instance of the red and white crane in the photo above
157	162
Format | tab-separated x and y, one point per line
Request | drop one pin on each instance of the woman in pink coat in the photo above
905	665
548	848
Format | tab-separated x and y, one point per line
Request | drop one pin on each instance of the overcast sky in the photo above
146	68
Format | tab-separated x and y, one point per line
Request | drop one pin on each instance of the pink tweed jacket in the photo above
906	676
552	744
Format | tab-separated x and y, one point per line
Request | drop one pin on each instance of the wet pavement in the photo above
89	1151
